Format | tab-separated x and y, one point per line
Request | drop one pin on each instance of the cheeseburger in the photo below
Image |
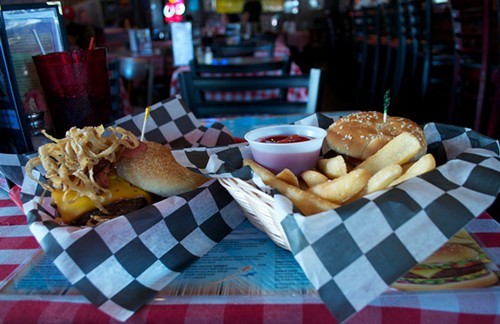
360	135
453	266
81	173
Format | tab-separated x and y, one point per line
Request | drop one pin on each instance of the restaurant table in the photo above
20	252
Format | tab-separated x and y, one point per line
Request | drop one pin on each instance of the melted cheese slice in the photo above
426	273
120	189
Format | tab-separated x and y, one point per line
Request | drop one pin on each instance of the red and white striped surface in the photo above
17	245
18	248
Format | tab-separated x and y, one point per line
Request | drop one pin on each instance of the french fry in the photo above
399	150
333	167
288	176
407	165
342	188
306	202
424	164
383	178
313	177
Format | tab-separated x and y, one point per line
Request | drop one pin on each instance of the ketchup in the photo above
280	139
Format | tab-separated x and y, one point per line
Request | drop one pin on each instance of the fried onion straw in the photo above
69	162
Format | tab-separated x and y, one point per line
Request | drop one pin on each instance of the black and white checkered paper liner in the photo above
123	263
171	122
352	254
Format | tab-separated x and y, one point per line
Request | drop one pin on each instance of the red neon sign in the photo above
173	10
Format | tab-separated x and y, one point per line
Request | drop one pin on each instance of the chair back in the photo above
194	89
493	130
263	49
437	51
395	32
471	22
366	23
281	66
114	84
404	38
414	13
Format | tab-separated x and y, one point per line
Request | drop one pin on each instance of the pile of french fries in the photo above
334	182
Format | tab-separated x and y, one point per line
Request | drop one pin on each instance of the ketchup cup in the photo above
270	147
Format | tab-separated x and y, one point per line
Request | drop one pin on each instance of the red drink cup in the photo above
76	87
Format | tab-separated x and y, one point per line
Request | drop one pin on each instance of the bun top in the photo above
155	170
362	134
451	252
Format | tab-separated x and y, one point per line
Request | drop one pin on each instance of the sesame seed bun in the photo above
156	170
360	135
451	252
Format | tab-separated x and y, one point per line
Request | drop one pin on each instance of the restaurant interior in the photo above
417	59
366	52
404	56
237	68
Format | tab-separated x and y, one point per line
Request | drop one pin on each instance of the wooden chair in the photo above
471	20
194	88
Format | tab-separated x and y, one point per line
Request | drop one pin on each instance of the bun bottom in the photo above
484	281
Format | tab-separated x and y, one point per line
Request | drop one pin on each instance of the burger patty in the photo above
451	272
114	209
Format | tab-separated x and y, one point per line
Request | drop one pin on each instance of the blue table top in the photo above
242	124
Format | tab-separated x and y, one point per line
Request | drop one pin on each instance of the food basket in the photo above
135	255
445	143
258	208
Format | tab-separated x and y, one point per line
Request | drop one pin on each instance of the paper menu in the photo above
246	262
